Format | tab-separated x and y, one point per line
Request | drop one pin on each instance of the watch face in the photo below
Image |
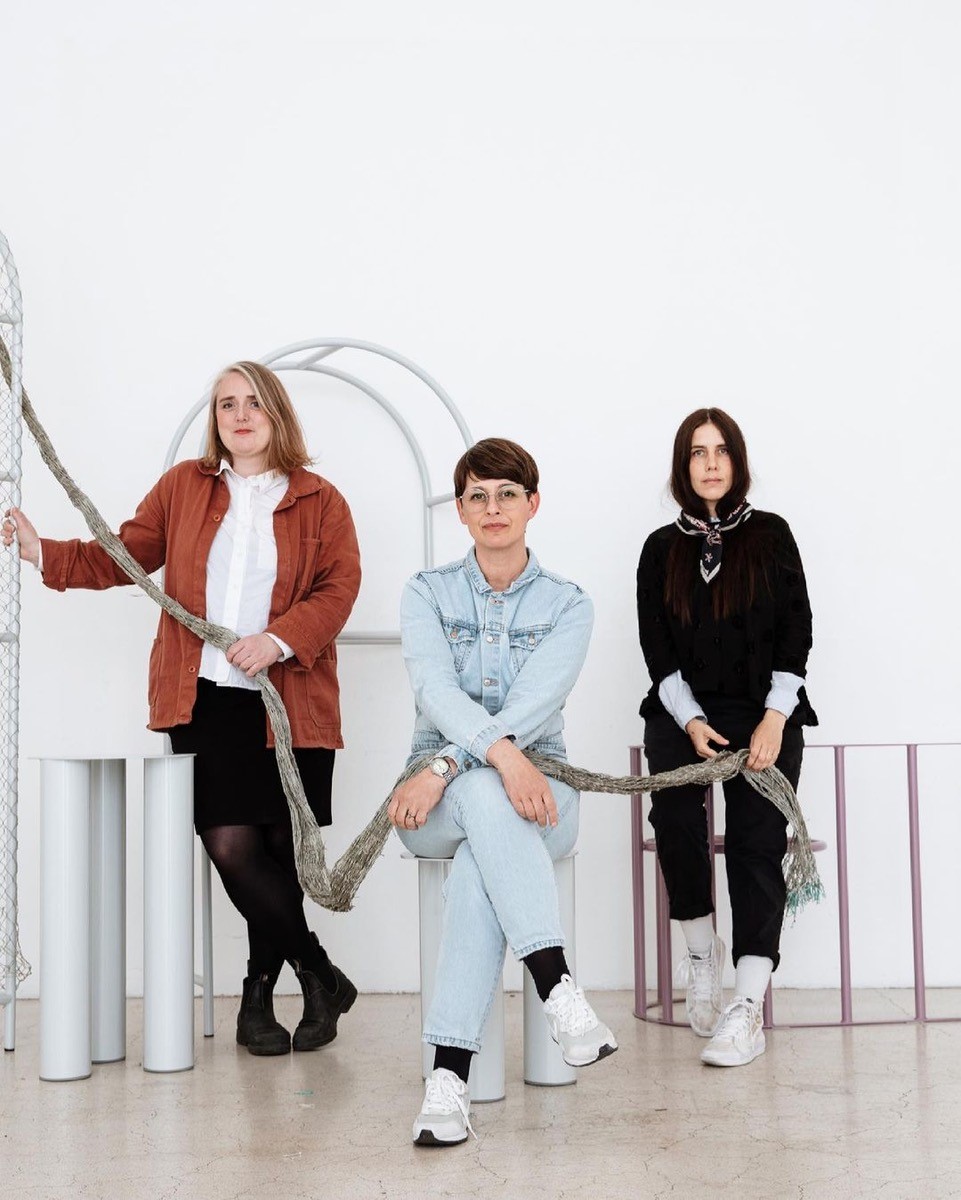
439	766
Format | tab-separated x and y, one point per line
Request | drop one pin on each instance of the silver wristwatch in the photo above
442	768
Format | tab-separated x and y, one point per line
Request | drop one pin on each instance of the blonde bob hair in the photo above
287	449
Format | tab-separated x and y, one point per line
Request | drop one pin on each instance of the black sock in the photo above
546	967
453	1058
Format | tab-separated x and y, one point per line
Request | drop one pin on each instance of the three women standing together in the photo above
493	644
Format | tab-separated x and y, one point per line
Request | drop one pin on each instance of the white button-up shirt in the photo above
242	569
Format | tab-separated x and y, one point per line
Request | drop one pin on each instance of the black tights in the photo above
256	865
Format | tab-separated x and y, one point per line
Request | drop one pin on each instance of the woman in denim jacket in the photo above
493	645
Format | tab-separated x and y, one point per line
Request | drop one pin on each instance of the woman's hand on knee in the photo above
701	735
766	741
412	801
527	789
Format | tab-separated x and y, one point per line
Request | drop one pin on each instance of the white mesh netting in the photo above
13	966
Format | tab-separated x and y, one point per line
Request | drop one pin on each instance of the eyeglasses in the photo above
507	497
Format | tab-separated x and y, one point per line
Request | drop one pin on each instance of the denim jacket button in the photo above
490	637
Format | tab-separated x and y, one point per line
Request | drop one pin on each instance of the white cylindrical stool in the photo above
544	1065
168	914
108	911
487	1067
64	918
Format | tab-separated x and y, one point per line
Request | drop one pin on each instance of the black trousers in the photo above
755	837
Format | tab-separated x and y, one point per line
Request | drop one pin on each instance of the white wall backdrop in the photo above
584	221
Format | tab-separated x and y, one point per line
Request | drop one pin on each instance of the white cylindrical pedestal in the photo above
64	919
108	918
487	1067
168	967
544	1065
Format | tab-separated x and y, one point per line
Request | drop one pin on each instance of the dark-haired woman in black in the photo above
725	627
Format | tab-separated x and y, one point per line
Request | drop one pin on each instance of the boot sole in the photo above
267	1049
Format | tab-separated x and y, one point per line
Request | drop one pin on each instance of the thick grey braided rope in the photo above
336	888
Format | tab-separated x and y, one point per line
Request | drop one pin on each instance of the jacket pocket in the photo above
461	637
523	643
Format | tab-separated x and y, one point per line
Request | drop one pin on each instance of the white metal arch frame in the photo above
309	356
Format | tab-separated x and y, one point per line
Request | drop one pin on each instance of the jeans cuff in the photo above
541	945
440	1039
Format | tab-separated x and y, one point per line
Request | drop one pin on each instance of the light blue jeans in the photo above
500	891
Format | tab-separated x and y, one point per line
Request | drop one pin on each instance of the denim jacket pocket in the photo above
461	637
523	642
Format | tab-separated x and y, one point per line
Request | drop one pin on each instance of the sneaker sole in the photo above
605	1052
427	1138
741	1062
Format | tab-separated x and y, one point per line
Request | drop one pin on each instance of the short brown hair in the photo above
287	449
681	488
496	458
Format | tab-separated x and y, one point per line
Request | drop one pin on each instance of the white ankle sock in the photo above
699	934
752	975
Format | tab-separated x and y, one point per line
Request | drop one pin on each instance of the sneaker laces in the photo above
697	974
737	1019
571	1008
443	1095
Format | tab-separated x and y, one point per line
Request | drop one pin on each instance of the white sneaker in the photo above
583	1039
740	1036
443	1120
701	976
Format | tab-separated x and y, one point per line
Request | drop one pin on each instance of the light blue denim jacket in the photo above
486	665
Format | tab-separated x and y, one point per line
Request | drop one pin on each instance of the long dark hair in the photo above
747	558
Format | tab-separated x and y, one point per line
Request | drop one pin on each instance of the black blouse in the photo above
735	656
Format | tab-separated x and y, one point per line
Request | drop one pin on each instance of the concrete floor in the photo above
823	1114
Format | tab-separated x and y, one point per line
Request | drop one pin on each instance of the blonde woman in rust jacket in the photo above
252	540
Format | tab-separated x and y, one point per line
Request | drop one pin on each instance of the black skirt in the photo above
236	777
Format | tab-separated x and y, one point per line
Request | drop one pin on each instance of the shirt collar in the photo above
257	483
476	575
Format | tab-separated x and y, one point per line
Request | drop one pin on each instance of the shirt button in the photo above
192	670
216	516
490	637
488	682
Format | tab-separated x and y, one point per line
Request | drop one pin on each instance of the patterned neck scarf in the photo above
711	532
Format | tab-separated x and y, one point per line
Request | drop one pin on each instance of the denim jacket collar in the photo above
480	584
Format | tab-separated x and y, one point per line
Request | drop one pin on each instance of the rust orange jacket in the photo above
318	577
